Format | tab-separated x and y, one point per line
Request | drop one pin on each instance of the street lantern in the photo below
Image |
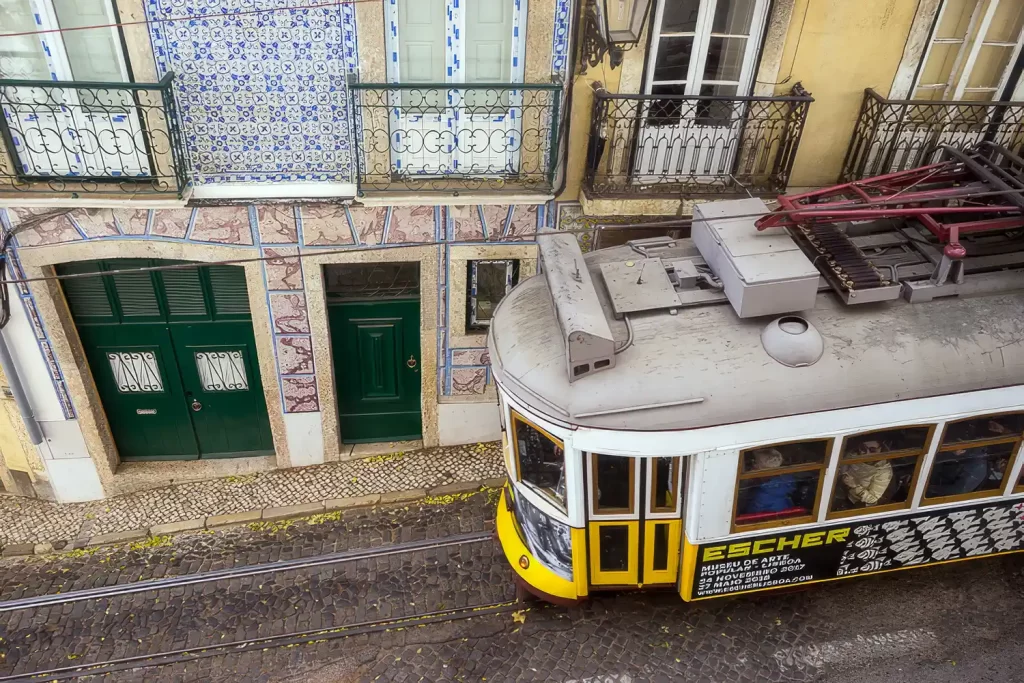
612	27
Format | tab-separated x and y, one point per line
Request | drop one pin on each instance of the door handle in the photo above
196	406
411	363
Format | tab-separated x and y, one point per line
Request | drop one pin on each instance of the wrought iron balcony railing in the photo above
81	137
693	146
895	135
455	137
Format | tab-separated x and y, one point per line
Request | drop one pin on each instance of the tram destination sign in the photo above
842	550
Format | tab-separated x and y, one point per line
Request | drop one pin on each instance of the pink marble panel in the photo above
300	394
369	222
495	216
325	225
468	380
523	224
284	271
289	313
44	226
466	226
132	221
470	357
170	222
276	224
295	355
95	222
223	224
411	224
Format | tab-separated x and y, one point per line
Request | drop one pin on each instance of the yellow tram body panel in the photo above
539	578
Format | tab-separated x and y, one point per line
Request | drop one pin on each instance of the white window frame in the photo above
702	36
969	50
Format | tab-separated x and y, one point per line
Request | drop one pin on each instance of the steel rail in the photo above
283	640
239	572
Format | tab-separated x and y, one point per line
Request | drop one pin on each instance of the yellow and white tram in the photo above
705	414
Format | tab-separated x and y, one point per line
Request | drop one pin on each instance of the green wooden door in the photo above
136	374
223	391
173	357
376	349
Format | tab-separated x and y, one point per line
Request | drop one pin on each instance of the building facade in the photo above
259	234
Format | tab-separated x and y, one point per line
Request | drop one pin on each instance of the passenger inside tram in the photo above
881	468
779	482
960	469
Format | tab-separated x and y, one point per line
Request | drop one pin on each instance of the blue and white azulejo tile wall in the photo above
262	96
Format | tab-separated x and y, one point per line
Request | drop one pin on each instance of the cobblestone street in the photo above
957	622
31	521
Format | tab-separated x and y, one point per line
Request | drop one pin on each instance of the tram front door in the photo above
634	520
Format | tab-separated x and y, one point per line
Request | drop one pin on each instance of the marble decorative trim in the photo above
468	381
470	357
28	304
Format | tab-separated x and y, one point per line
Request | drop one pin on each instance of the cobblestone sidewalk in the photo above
26	521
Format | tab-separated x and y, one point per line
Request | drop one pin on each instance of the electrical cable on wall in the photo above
807	213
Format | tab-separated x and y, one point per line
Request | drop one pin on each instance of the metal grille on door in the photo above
136	373
222	370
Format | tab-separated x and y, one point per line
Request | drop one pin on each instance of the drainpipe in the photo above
35	434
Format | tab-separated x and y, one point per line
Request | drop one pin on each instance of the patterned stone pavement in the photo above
34	521
956	622
948	624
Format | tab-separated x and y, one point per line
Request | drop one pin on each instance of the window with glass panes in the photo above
540	459
780	483
878	469
487	283
974	457
972	51
705	47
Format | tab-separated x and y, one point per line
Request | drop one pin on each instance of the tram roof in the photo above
705	366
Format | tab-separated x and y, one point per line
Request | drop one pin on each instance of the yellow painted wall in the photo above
579	124
837	48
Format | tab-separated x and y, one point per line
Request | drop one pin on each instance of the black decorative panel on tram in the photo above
842	550
547	538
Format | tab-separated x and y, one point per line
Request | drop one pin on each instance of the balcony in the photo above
77	139
673	146
895	135
447	138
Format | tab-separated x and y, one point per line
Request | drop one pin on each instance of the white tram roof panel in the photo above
702	365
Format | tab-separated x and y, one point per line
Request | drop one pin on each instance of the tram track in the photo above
339	557
305	637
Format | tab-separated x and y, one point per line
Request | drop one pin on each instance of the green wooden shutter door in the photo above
87	296
183	290
136	293
230	296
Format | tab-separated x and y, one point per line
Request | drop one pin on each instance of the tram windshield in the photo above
540	459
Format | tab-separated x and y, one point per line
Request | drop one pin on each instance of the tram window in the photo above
878	469
974	457
664	490
540	459
660	563
614	483
614	550
780	484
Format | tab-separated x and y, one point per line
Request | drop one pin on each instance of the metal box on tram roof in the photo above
763	273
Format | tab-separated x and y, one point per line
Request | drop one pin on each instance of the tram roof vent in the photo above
792	341
588	340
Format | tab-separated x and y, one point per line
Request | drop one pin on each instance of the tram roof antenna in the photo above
640	277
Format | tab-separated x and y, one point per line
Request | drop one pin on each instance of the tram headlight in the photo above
524	562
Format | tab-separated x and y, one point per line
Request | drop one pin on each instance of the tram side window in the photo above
781	483
974	456
877	468
540	459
